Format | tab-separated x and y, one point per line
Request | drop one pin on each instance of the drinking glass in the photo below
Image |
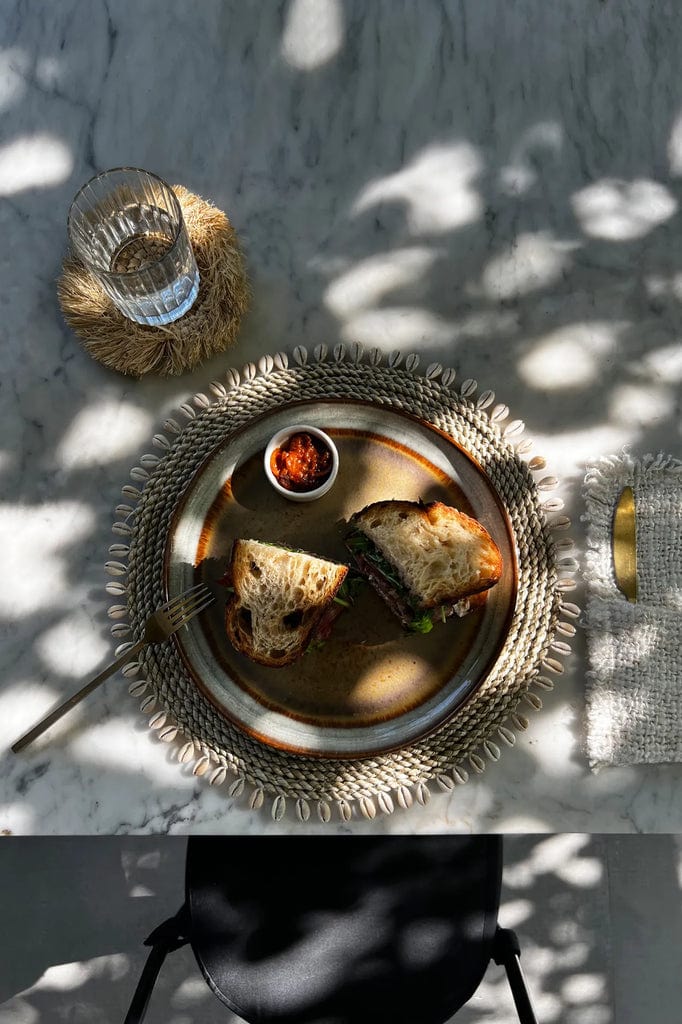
126	227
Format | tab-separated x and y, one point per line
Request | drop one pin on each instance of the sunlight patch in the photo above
527	823
675	149
396	328
63	977
581	872
546	856
18	1011
105	432
66	977
23	703
519	175
102	744
571	447
140	892
642	405
531	262
366	282
132	861
37	161
487	323
48	72
620	210
551	853
313	33
436	189
35	570
515	912
570	357
516	179
71	648
584	988
575	952
600	1014
562	855
663	363
189	992
19	818
658	286
555	742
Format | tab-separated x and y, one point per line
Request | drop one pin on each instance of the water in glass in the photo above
126	225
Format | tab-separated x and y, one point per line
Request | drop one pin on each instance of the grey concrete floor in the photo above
599	918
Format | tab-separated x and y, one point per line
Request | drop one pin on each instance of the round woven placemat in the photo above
210	326
537	639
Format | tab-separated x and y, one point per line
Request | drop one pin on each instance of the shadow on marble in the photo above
499	200
599	919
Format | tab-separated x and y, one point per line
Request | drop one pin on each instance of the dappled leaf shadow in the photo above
78	910
445	181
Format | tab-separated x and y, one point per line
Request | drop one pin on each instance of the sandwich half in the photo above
282	601
427	561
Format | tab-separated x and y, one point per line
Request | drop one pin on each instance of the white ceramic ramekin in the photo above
280	438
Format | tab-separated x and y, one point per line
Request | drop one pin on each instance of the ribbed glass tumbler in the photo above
126	227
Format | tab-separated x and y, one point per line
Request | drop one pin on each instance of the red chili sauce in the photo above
302	463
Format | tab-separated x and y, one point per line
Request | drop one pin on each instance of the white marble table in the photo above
494	186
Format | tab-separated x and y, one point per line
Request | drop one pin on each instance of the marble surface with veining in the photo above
493	186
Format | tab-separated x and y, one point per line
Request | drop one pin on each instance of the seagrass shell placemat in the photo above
530	657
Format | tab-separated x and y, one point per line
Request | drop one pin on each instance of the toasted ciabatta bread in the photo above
280	599
439	554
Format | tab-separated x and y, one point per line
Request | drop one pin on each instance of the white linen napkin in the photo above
634	679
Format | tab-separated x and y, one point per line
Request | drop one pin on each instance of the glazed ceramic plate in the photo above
371	688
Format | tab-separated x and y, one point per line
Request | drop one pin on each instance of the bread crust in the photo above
279	599
439	553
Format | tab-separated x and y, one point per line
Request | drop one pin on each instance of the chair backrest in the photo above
334	930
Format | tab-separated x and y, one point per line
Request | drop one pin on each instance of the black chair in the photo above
341	930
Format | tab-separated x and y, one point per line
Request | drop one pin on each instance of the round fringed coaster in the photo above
537	638
209	327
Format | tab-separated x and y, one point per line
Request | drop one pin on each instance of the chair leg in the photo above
171	935
507	953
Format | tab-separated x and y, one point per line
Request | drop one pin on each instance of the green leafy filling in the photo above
360	544
349	589
314	645
422	624
423	621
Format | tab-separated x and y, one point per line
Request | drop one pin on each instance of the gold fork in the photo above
160	625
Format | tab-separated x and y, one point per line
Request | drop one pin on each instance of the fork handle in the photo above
76	698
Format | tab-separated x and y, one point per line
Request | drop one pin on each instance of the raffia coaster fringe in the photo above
539	636
209	327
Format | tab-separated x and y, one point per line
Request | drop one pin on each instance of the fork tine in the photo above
177	602
192	608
